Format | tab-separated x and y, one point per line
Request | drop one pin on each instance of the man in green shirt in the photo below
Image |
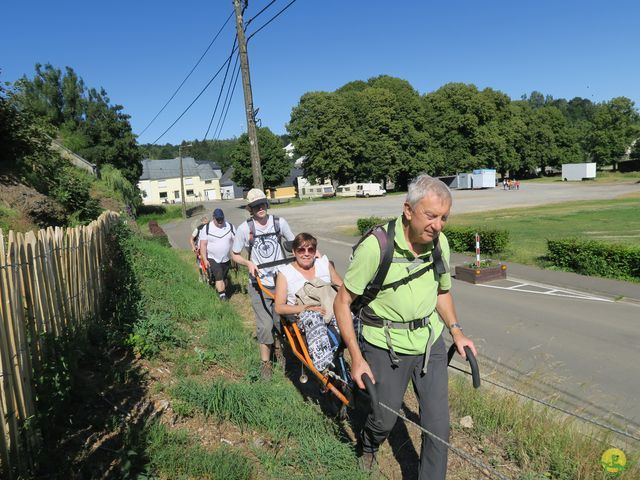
402	326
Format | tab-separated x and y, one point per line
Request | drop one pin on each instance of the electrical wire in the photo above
259	13
188	75
235	84
271	19
194	100
224	80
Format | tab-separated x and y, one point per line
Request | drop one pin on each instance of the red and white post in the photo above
477	250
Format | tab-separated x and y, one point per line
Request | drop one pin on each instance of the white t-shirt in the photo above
295	280
219	241
266	247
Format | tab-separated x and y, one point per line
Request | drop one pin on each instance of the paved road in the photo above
558	335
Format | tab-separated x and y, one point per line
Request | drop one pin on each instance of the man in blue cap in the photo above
215	245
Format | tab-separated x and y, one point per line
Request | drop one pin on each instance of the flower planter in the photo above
482	274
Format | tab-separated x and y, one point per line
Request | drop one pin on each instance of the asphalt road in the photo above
554	335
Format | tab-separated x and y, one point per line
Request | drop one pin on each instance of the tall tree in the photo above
322	129
615	126
276	166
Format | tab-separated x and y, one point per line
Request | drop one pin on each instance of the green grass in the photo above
612	221
536	439
197	332
158	213
602	176
179	456
8	217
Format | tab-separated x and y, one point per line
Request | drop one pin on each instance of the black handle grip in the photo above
373	394
473	363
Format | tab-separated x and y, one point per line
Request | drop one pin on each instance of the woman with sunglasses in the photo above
308	268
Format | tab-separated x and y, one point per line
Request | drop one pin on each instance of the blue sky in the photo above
141	50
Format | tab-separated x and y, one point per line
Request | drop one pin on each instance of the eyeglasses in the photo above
303	250
262	206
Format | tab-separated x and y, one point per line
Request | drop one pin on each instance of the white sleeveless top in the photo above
295	280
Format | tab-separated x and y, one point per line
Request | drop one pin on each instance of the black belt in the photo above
372	320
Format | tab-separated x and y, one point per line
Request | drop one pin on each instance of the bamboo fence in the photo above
50	283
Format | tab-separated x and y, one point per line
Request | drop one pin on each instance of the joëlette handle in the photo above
373	395
473	363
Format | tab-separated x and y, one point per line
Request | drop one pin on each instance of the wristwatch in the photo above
455	325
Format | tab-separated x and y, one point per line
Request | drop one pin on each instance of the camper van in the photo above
370	190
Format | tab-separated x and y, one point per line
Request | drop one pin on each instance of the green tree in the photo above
615	126
322	128
276	167
86	121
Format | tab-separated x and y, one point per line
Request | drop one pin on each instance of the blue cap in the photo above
218	214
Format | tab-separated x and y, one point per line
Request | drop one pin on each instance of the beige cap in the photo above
255	197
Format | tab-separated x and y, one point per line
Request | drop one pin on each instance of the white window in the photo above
162	184
163	194
188	181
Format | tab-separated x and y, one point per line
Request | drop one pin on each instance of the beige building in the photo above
160	181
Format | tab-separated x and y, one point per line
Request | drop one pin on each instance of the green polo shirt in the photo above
411	301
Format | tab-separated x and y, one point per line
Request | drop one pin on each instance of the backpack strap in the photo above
253	236
386	244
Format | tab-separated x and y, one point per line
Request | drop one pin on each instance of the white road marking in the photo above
338	242
554	292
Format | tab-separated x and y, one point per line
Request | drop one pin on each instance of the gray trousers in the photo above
431	391
263	308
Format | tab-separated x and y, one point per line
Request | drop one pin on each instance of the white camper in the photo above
578	171
370	190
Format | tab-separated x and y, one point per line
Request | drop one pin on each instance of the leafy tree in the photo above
276	167
85	119
615	126
322	129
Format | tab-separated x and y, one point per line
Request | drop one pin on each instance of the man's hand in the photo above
316	308
254	271
205	262
461	340
358	368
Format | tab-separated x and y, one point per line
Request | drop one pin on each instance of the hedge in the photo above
365	224
591	257
461	239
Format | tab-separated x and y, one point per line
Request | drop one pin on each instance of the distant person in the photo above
504	183
216	240
261	236
517	184
194	239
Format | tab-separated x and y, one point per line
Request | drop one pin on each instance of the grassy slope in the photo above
214	376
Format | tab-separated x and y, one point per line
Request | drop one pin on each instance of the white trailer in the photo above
483	178
572	172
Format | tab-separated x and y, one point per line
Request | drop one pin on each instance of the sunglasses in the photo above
262	206
302	250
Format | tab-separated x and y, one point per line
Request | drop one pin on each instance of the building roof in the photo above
170	168
226	179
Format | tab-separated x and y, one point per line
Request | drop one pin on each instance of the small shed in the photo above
483	178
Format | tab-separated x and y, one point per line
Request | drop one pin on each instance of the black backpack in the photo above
233	232
386	243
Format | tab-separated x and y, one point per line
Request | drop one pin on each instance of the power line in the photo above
224	80
194	100
272	19
259	13
188	75
235	84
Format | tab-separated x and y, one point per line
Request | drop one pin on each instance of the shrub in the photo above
463	239
590	257
365	224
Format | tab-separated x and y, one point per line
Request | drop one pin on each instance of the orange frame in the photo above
299	349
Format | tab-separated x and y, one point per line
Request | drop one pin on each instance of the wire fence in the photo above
51	281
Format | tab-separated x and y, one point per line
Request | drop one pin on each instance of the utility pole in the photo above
248	99
184	205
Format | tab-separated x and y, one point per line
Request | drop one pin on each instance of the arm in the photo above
447	312
240	260
336	279
280	304
203	253
194	247
342	311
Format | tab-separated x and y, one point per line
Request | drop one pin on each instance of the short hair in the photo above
424	185
303	238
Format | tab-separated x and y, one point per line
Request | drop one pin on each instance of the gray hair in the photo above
424	185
